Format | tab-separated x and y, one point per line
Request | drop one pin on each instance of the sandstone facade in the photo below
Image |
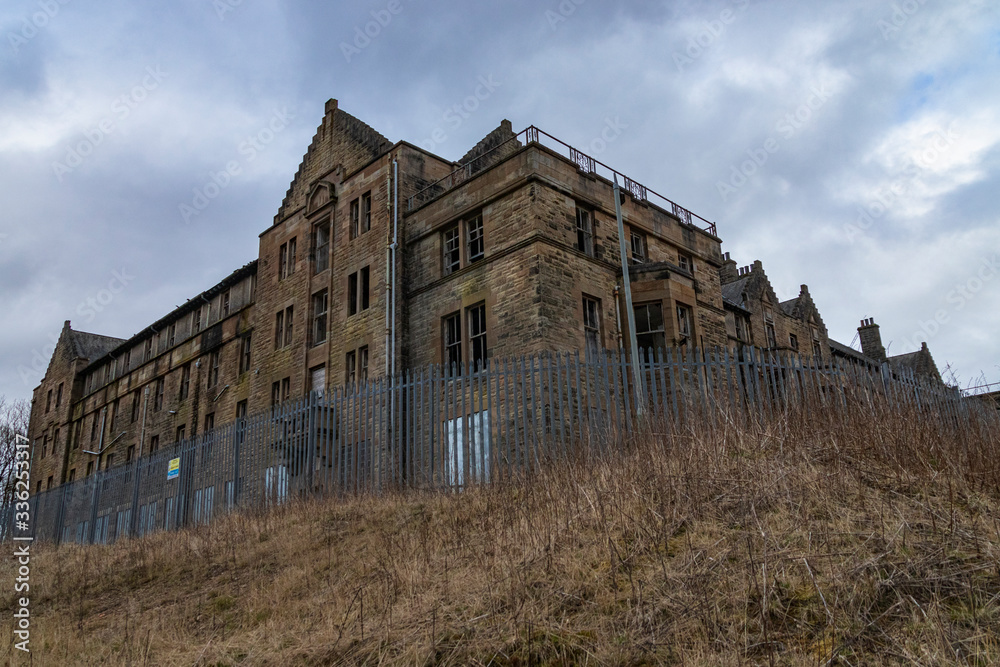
512	250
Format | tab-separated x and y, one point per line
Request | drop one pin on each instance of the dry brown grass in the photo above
812	541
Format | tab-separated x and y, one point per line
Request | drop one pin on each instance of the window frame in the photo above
585	230
366	212
321	251
354	219
289	325
685	321
286	258
654	333
246	350
351	367
593	336
320	318
475	238
643	255
363	363
475	317
214	362
184	391
451	247
279	329
359	291
685	262
452	338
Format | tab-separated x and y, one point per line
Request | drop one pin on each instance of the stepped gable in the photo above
754	283
342	142
803	307
477	158
73	345
920	363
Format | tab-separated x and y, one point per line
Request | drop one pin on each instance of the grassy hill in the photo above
809	541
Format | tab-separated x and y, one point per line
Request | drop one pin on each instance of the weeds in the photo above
865	536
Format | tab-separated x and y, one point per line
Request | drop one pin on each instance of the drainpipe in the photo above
142	431
640	400
100	443
389	286
393	247
618	318
399	457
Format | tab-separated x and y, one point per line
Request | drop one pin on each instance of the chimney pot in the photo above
871	340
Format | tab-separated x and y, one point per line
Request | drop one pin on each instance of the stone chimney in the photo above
871	341
728	272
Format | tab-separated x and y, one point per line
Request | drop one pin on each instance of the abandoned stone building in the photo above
920	363
385	256
755	316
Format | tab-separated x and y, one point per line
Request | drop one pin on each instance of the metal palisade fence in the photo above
441	428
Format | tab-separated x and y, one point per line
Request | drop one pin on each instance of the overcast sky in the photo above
849	145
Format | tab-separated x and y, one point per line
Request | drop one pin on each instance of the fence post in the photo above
60	515
312	425
93	507
239	431
133	517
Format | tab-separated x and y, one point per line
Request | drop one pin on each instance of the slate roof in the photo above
847	351
733	292
789	307
92	346
173	316
920	363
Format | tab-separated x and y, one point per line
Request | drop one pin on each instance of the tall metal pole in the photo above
640	389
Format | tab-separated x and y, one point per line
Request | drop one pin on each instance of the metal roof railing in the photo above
584	162
982	389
